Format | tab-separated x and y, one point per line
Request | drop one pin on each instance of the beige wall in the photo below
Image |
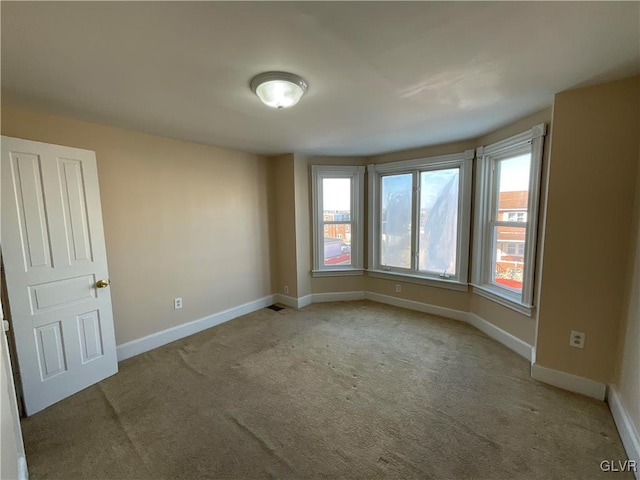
352	283
422	152
303	224
180	219
290	194
517	324
590	199
628	366
282	197
441	297
304	228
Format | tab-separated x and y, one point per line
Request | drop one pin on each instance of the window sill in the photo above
337	272
430	282
496	296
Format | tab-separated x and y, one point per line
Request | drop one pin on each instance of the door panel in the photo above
75	210
53	241
31	211
90	336
50	350
46	296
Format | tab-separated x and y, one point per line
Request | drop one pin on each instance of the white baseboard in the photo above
158	339
505	338
286	300
533	355
337	296
508	340
570	382
626	428
155	340
418	306
301	302
305	301
293	302
23	472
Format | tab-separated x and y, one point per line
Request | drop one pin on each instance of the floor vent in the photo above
275	308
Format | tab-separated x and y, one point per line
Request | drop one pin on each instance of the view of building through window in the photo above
336	219
508	236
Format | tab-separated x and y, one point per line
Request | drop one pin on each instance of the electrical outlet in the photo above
286	289
398	288
577	339
177	303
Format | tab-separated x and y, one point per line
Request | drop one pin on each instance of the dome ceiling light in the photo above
279	89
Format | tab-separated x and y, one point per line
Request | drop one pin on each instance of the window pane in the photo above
395	232
336	199
508	261
438	221
513	177
337	244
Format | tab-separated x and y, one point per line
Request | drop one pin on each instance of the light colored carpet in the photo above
344	390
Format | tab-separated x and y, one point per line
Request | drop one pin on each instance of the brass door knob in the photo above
102	283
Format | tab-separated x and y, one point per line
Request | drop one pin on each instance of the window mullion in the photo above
415	215
503	223
377	213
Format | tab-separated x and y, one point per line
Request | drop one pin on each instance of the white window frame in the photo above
531	140
457	280
356	175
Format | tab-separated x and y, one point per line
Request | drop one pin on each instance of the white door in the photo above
56	270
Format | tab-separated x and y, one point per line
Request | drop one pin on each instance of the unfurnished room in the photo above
305	240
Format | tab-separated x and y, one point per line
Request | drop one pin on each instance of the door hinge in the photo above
5	325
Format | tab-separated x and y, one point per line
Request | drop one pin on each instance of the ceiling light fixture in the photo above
279	89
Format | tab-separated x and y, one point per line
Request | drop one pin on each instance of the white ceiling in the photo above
382	76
